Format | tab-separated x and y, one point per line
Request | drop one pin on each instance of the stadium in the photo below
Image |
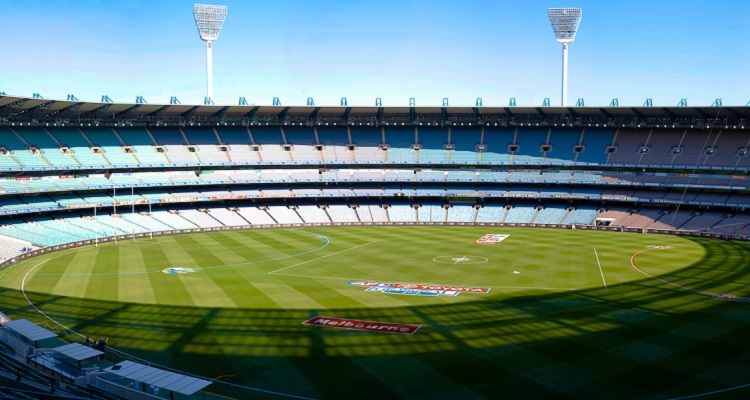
282	251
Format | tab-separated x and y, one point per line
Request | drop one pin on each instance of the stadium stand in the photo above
378	213
401	213
461	213
227	217
550	215
284	215
173	220
313	214
341	213
200	218
491	213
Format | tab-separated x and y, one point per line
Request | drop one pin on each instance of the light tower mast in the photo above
209	19
565	24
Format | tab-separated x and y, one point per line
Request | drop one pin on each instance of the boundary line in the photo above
600	269
321	257
693	396
23	291
632	263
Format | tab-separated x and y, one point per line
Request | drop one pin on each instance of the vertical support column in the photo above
209	70
565	76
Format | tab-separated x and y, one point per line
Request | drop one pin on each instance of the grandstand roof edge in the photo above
16	105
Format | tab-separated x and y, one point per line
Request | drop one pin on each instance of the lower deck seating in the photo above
227	217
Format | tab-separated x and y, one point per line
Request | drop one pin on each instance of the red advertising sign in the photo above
359	325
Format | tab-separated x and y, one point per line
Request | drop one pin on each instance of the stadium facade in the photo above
145	168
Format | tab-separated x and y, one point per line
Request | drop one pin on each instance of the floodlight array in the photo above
209	19
565	23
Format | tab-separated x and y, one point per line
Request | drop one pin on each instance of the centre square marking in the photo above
460	260
418	289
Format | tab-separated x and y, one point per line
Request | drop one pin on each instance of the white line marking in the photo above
600	268
321	257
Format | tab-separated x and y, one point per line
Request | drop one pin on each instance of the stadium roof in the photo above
29	330
15	109
160	378
77	351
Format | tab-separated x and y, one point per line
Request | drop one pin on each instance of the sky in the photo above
364	49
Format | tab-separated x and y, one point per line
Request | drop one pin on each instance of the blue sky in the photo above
631	50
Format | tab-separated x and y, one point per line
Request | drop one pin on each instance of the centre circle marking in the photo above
460	260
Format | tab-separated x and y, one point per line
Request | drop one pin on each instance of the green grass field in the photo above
548	328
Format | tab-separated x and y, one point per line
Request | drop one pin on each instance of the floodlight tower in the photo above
565	24
209	19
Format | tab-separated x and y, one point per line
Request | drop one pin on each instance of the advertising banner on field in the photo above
359	325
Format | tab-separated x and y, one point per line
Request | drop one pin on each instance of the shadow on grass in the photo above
640	339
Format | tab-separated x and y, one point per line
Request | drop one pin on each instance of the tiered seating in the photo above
227	217
89	223
141	142
79	146
284	215
521	214
120	224
96	182
431	213
550	215
616	215
378	213
529	146
497	141
39	138
70	184
182	178
643	218
174	221
125	180
672	220
367	141
595	141
41	185
341	213
401	213
461	213
255	216
200	219
52	235
313	214
581	216
172	140
627	144
73	232
147	222
731	224
464	141
726	150
491	213
238	142
302	141
20	151
207	145
562	141
270	140
14	230
400	139
13	186
40	202
11	247
701	222
111	146
66	199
